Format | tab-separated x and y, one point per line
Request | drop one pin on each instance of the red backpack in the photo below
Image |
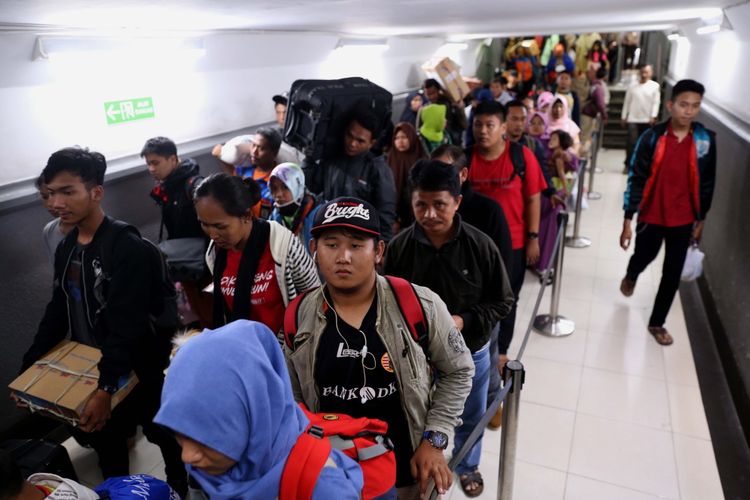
362	439
408	303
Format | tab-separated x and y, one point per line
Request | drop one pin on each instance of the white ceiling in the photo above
373	17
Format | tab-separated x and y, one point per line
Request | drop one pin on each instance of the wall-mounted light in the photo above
714	24
369	43
456	45
62	47
709	28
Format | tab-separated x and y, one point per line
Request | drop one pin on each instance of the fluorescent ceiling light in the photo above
380	43
456	45
673	36
63	46
710	28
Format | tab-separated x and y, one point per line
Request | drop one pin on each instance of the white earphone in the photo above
363	353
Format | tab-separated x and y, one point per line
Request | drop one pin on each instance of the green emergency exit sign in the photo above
129	110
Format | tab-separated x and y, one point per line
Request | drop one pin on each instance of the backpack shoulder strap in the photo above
303	465
469	153
108	240
517	158
412	311
291	319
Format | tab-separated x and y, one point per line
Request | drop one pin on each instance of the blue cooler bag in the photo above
140	486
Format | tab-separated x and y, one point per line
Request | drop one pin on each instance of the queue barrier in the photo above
596	140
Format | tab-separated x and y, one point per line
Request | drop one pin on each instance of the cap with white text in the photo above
347	213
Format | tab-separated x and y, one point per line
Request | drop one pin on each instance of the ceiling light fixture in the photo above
58	47
375	43
709	28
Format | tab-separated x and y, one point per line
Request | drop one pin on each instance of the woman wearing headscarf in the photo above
544	101
536	126
432	130
294	207
228	399
405	151
414	101
558	118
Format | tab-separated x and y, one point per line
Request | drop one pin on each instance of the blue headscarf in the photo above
409	115
229	389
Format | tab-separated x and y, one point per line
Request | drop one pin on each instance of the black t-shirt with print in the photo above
370	389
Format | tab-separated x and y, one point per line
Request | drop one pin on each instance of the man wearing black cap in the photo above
352	352
280	102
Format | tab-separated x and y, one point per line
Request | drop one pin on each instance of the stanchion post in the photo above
552	324
578	241
509	440
593	195
599	141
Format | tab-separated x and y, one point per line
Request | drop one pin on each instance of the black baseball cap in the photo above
282	98
347	213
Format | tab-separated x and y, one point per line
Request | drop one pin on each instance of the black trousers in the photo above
634	132
516	274
110	443
647	244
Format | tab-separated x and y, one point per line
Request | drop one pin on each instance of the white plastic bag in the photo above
693	267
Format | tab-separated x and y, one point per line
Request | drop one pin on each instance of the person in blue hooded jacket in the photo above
228	399
671	179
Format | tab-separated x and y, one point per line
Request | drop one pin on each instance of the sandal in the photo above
661	335
473	477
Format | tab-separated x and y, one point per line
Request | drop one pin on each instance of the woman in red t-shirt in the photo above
258	266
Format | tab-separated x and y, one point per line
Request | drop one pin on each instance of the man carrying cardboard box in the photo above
102	296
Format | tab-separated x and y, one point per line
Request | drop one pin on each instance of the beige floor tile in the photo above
583	488
686	410
551	383
696	468
544	435
625	354
627	398
627	455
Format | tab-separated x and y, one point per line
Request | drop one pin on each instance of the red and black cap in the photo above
347	213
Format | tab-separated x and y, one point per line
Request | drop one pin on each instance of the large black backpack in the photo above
318	111
162	293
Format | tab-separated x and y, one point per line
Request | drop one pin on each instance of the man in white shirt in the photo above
641	108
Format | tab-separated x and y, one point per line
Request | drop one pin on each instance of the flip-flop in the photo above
473	477
661	335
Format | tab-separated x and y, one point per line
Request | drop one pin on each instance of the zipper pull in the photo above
404	352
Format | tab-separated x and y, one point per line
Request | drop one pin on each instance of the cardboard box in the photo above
62	381
447	73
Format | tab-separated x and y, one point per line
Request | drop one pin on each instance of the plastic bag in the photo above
693	267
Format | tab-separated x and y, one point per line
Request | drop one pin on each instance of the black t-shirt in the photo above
362	389
82	330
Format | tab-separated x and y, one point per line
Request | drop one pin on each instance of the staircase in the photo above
614	135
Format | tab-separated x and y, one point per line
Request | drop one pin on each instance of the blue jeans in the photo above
474	408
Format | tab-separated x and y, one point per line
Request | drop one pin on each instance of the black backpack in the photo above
516	157
162	293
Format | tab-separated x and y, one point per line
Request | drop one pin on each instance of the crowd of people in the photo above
301	296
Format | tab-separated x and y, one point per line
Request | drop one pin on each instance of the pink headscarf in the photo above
544	99
564	123
545	134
